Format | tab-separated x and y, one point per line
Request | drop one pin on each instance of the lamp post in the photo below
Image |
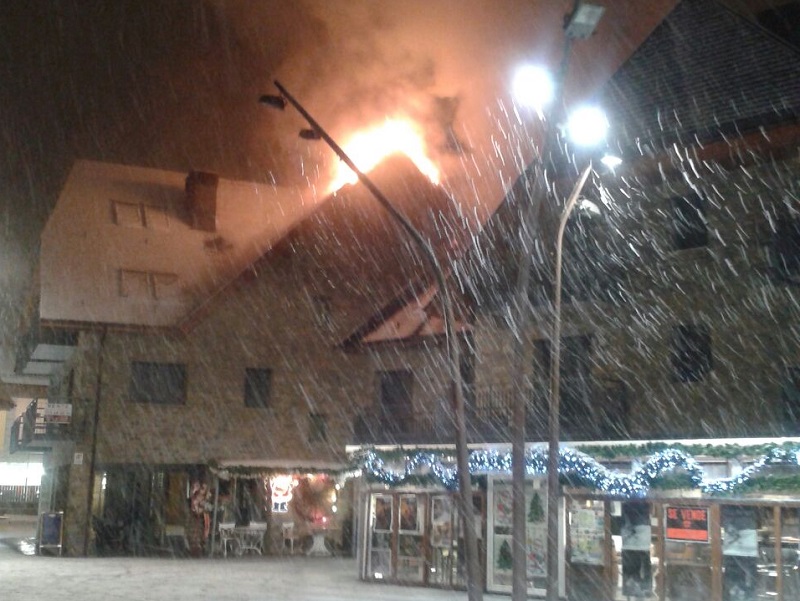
579	24
553	426
474	586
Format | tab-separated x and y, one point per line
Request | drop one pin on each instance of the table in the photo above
318	546
250	538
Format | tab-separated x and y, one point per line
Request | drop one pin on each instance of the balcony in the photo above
488	420
41	426
41	351
590	410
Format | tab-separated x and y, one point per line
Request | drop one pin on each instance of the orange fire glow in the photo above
368	148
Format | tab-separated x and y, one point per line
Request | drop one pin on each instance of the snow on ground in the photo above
24	577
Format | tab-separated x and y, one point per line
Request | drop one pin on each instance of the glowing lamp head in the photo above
534	87
587	126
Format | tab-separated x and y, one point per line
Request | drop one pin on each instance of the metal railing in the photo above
18	496
32	431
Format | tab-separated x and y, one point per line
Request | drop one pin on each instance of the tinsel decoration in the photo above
577	466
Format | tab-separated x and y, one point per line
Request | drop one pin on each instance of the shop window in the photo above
257	387
691	352
689	222
740	551
395	400
317	427
158	383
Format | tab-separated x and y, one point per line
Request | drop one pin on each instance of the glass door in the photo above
380	557
586	550
410	538
444	565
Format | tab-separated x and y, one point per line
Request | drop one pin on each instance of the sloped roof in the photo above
354	252
704	72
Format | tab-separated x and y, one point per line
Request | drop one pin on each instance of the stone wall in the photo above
726	285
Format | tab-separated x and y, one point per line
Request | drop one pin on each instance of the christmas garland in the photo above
665	467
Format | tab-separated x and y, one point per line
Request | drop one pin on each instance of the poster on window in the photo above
687	524
739	534
500	526
536	549
587	536
409	513
383	513
441	521
536	528
503	499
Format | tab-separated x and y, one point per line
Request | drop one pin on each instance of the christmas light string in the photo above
573	464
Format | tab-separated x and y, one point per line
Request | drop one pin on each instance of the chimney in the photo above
201	200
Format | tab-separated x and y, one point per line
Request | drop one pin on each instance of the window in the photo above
147	284
785	255
257	385
790	399
575	382
395	400
317	427
128	214
158	383
139	215
689	222
691	352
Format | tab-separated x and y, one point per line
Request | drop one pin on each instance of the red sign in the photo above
687	524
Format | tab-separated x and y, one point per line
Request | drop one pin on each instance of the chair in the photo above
288	537
226	535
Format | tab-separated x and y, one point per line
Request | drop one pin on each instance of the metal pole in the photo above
93	452
553	490
528	224
474	584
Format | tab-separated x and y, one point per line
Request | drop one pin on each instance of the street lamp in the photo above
474	587
579	24
587	126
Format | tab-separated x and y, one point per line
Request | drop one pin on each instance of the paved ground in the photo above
28	577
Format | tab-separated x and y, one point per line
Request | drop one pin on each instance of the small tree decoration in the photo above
504	556
535	510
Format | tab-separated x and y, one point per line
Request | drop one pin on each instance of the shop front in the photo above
263	509
414	536
683	549
664	525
